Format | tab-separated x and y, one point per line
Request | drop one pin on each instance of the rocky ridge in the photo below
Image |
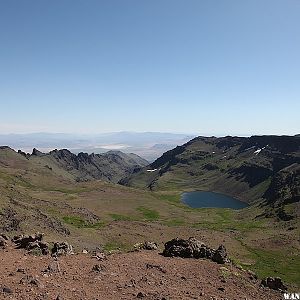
110	166
258	168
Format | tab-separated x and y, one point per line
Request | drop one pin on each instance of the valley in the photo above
43	193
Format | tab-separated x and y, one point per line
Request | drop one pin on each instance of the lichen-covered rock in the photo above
62	248
150	246
22	241
220	255
193	248
178	248
32	243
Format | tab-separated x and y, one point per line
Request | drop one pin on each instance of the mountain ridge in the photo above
111	166
243	167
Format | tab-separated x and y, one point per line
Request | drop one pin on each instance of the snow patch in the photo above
257	151
153	170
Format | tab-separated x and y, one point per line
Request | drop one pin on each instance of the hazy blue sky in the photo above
207	67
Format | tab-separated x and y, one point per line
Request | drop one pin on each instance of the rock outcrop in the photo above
193	248
274	283
148	245
62	248
33	243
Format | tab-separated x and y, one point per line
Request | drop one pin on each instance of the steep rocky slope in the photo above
248	168
111	166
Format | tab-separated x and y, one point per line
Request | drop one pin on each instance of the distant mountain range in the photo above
149	145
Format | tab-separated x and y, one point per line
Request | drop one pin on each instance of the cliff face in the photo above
285	186
111	166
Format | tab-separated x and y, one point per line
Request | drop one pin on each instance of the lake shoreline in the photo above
211	199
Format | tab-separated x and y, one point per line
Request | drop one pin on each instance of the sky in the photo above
209	67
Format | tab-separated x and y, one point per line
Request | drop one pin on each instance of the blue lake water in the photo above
200	199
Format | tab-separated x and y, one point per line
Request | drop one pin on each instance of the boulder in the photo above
3	243
178	247
32	280
62	248
98	268
193	248
53	267
274	283
7	290
32	243
22	241
220	255
150	246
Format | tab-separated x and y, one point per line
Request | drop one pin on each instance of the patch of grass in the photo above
16	179
96	225
225	273
36	252
174	200
170	198
75	221
114	245
118	217
67	191
274	263
237	263
149	214
224	220
53	211
174	222
78	222
231	225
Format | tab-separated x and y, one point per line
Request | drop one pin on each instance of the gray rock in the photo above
220	255
196	249
178	247
7	290
274	283
150	246
21	270
29	279
63	248
23	241
140	295
53	267
98	268
32	243
185	248
3	243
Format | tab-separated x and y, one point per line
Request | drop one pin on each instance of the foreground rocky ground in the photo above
135	275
